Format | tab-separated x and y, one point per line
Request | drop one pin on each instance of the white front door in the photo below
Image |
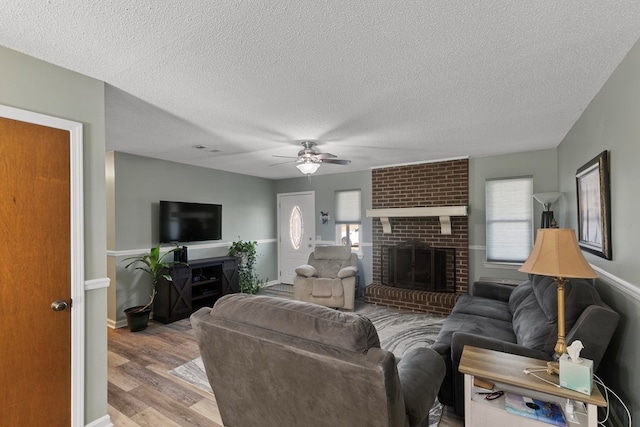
296	232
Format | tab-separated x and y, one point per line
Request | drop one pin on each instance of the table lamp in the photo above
556	253
546	199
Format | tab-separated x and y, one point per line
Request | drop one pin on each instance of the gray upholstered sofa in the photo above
328	278
278	362
521	320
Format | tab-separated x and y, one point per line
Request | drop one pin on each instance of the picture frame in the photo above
594	206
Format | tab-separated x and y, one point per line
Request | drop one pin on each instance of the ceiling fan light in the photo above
308	168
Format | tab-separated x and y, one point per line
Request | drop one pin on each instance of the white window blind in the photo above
348	209
509	216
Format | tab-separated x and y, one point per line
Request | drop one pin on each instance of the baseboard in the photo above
101	422
116	324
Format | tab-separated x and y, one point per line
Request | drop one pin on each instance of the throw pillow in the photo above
306	270
347	272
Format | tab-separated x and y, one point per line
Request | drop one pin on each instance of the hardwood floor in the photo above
142	392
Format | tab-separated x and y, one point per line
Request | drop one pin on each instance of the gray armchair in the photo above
278	362
328	278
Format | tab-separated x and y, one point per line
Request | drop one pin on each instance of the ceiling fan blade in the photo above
284	157
337	161
323	156
282	163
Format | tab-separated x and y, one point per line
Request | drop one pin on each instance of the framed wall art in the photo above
594	206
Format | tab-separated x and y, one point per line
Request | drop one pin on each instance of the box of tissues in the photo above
576	373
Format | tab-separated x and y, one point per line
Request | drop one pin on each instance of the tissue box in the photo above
576	376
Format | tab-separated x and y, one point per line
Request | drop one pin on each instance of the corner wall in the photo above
610	122
542	165
136	184
38	86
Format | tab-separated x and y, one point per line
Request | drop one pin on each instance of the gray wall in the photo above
325	187
542	165
611	123
135	186
34	85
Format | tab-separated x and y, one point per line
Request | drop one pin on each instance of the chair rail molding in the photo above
443	212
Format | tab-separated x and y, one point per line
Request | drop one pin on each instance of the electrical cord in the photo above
530	371
606	398
607	390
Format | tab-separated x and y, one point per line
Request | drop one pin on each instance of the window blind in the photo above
509	218
348	208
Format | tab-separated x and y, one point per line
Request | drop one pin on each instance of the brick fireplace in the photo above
423	185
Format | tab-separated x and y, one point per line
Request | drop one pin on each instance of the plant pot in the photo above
137	320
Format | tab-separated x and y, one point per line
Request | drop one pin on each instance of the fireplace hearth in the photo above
416	265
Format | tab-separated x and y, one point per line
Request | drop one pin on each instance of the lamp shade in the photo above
547	198
308	168
556	253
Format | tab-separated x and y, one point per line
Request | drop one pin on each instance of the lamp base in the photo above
547	219
553	368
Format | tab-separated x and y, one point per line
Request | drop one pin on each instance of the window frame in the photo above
348	219
493	246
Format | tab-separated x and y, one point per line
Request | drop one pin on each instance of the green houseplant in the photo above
154	264
250	283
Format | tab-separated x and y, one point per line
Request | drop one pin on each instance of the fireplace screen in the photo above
416	265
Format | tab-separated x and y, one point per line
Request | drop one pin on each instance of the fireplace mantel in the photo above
443	212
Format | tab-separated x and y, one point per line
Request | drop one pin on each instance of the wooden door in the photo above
35	228
297	229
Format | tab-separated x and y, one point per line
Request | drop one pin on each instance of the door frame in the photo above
313	208
77	247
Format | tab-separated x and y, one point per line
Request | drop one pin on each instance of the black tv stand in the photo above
194	285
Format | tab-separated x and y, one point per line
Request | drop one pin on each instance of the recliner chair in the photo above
328	278
278	362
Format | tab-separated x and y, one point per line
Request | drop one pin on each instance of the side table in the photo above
506	372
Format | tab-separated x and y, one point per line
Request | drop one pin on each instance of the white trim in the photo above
116	324
620	284
77	247
101	422
93	284
444	212
423	162
501	266
477	248
134	252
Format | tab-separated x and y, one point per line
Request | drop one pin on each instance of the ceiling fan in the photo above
309	158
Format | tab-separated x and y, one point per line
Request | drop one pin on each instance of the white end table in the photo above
506	372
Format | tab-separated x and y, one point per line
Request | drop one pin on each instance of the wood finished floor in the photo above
141	392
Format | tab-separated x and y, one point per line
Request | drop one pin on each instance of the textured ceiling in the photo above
377	82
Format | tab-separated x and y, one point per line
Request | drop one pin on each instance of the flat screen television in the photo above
189	222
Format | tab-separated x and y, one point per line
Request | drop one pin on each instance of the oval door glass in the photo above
295	227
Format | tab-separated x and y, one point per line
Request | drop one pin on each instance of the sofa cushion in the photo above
519	294
530	324
478	325
347	331
578	295
534	305
483	307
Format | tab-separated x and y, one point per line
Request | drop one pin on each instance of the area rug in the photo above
398	331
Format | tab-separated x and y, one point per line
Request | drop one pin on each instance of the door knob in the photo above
59	305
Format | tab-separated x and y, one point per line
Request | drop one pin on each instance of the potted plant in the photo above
154	264
250	283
